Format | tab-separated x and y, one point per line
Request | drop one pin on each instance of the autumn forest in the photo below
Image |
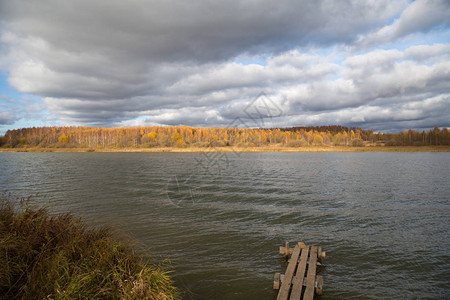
184	136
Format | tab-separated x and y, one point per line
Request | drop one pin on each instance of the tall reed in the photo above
58	257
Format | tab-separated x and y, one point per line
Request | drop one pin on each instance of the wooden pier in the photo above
300	280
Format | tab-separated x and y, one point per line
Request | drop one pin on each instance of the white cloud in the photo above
419	16
216	94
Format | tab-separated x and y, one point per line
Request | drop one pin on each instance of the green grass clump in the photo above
42	256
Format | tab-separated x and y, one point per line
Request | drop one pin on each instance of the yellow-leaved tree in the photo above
64	139
318	139
177	140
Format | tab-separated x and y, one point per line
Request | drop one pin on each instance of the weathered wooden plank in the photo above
321	254
319	285
317	278
286	251
297	284
286	284
276	281
310	278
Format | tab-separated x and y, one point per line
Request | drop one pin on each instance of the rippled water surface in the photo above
383	218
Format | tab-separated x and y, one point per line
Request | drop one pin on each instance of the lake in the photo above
382	218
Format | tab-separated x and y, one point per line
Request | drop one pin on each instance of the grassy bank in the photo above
44	257
244	149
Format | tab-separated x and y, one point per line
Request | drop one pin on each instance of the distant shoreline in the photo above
243	149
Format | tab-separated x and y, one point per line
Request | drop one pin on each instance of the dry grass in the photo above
43	257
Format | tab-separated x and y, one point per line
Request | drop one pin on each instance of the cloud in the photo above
424	114
114	62
420	16
203	30
378	77
298	83
26	108
7	118
92	50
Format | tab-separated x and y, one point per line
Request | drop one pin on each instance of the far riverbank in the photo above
244	149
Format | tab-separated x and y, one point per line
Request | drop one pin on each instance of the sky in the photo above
375	64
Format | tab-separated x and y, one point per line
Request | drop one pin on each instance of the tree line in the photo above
185	136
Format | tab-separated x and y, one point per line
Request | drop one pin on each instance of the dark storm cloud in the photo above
194	30
113	49
6	118
173	62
